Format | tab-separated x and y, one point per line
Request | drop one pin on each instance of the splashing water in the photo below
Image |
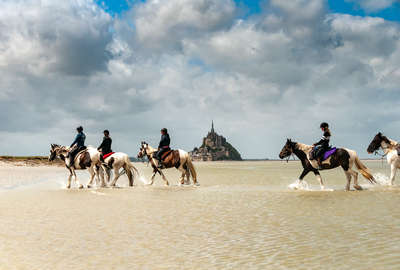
382	179
299	185
144	180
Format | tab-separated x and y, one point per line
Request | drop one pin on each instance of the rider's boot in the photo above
159	165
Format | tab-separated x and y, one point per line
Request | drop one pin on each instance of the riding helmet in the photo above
324	125
79	129
164	130
106	131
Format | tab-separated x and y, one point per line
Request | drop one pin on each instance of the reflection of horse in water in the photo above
345	158
391	150
175	158
86	159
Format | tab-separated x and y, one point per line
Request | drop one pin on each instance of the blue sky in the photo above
392	13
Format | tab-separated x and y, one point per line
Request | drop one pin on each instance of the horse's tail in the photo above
130	170
192	169
364	170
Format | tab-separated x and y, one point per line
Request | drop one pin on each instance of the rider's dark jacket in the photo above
324	142
79	140
105	146
165	141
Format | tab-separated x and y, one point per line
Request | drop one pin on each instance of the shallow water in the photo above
243	216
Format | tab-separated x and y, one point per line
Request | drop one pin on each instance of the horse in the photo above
86	159
343	157
115	162
177	158
391	151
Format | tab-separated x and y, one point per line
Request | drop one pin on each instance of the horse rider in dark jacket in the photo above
77	145
322	145
163	145
105	146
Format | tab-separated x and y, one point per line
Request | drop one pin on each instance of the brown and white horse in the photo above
117	161
389	148
178	158
343	157
86	159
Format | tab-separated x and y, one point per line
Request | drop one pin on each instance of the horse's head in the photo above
57	151
53	151
376	143
287	149
143	150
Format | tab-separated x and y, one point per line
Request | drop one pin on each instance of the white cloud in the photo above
374	5
180	64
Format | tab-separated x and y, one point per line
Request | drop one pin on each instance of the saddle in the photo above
171	159
107	155
85	160
325	155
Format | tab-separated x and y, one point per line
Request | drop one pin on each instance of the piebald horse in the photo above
343	157
183	164
389	148
87	159
117	161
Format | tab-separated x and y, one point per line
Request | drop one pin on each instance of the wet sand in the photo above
243	216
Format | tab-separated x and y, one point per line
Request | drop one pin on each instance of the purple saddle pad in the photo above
329	153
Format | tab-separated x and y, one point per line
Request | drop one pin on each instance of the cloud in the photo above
374	5
180	64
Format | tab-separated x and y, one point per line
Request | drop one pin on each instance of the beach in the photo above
243	216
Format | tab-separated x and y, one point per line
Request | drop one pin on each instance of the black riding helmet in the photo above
324	125
106	131
79	129
164	130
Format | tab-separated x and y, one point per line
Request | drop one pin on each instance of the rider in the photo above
323	145
77	145
105	146
163	145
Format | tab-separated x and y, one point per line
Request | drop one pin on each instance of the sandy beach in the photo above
243	216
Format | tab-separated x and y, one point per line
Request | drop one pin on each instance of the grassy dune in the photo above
30	161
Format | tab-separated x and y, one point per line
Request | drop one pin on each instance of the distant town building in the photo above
215	147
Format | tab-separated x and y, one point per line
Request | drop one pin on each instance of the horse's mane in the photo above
304	147
392	143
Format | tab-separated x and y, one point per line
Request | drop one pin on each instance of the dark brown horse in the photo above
345	158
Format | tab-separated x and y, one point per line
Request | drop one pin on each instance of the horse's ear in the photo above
379	134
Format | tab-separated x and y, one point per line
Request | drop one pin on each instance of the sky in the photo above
264	71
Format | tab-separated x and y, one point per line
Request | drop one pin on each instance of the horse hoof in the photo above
80	186
196	184
89	186
68	187
357	187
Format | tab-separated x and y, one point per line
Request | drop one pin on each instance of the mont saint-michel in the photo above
215	147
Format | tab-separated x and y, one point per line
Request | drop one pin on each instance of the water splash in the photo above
143	180
382	179
299	185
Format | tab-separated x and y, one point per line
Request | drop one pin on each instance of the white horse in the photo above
389	148
86	159
117	161
176	158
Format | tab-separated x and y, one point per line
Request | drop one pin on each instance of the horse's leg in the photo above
355	176
164	178
303	174
91	171
100	173
182	178
187	172
116	176
348	176
76	180
319	178
69	179
393	171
